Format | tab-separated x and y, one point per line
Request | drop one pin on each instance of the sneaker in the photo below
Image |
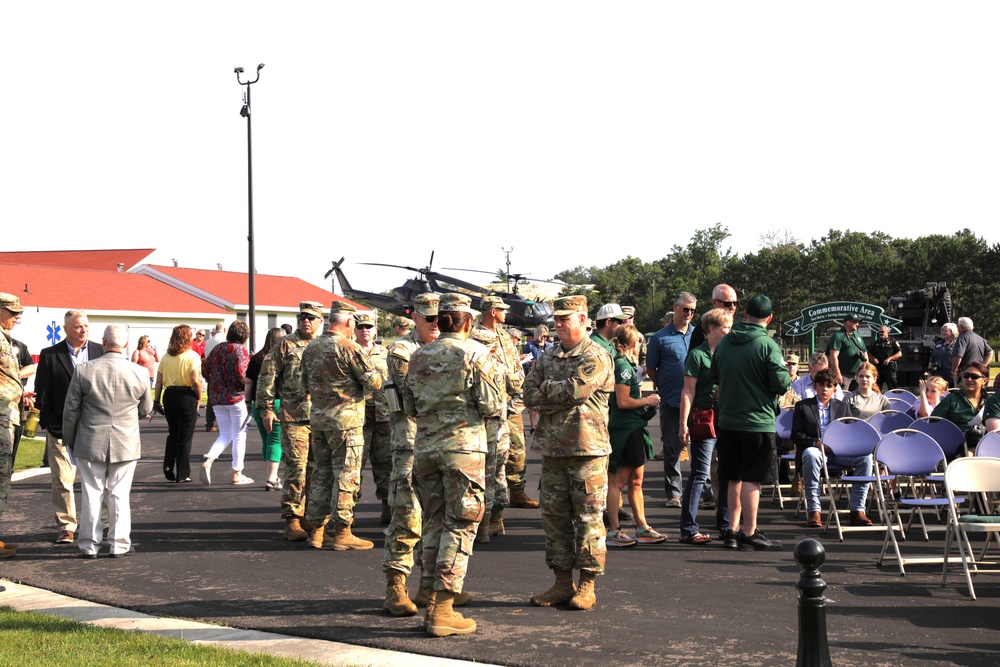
649	536
729	540
674	503
65	537
205	473
619	538
758	541
241	479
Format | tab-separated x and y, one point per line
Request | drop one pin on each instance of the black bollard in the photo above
814	651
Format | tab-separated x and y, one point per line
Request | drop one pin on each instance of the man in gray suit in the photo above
106	398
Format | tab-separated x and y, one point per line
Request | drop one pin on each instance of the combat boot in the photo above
8	545
562	591
483	532
496	522
344	540
518	498
386	516
424	594
7	552
294	531
443	620
397	598
585	598
430	601
317	538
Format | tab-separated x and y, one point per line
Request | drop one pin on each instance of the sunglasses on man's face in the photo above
727	304
686	310
307	316
366	326
430	319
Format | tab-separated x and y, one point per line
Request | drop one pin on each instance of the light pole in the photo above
245	112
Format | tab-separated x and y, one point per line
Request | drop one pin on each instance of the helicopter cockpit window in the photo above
539	309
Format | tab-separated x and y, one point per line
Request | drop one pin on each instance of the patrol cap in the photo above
11	303
514	333
792	359
342	307
853	317
311	307
493	301
426	304
567	305
404	322
453	302
759	307
610	311
541	330
365	317
629	310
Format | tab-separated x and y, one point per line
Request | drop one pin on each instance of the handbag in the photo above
703	424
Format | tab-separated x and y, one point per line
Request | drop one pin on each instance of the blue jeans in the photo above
812	463
701	464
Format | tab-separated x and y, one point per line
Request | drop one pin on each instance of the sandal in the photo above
697	538
273	486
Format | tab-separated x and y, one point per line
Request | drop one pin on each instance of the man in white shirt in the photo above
804	385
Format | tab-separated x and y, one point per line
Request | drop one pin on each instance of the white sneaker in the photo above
205	473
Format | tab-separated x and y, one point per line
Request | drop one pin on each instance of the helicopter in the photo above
523	313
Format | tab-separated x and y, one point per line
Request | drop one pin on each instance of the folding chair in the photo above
947	435
900	404
888	421
849	437
989	445
907	453
902	394
977	474
783	428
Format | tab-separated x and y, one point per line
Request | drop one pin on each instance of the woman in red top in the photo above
225	369
146	356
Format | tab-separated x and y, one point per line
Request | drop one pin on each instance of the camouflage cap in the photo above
629	310
342	307
11	303
404	322
493	301
365	317
453	302
792	359
567	305
311	307
426	304
541	330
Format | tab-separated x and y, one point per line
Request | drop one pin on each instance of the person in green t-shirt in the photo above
847	352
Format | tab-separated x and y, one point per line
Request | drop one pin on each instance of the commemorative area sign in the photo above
837	311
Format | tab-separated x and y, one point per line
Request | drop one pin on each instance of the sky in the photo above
576	133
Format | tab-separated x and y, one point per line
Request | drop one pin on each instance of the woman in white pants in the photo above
225	370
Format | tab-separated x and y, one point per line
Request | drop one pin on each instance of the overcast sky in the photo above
576	132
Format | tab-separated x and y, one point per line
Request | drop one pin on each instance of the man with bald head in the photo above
723	296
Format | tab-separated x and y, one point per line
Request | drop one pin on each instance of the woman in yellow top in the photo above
178	381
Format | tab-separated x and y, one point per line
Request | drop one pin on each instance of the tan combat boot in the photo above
430	601
496	522
316	537
294	531
444	621
397	598
585	598
386	516
424	594
344	540
562	591
483	532
518	498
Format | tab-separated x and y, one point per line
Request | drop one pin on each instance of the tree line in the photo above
868	267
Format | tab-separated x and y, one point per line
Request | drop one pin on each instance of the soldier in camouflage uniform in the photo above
337	374
630	311
11	392
377	429
281	378
402	325
497	440
403	534
449	390
569	387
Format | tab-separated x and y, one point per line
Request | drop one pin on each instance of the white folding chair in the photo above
975	474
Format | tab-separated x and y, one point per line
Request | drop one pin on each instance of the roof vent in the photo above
121	268
220	266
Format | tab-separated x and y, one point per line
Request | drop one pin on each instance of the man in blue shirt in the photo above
668	349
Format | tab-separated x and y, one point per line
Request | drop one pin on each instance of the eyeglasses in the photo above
307	316
973	376
201	335
366	326
430	319
726	304
687	311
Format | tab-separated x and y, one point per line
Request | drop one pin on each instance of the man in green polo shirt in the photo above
847	352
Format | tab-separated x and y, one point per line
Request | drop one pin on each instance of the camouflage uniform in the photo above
281	378
497	436
630	310
377	429
449	390
336	373
570	389
402	535
11	391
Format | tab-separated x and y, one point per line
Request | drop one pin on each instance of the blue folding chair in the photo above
888	421
783	429
902	395
850	437
989	445
907	454
946	434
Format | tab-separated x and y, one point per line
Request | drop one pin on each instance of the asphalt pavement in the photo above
217	555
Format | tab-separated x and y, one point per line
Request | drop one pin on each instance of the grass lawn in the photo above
29	453
41	641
